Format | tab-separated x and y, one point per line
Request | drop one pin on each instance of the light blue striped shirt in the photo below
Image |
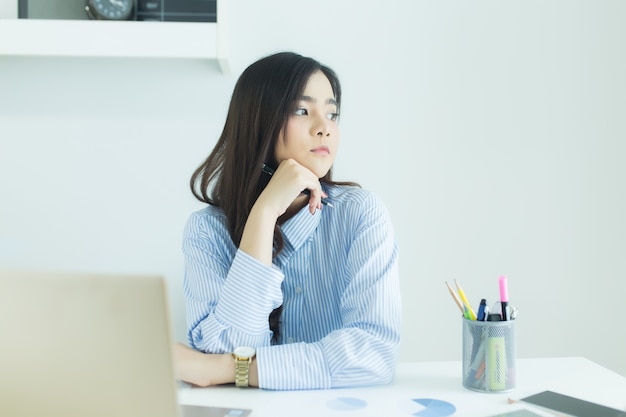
337	278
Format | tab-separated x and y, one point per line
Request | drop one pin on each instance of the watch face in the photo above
110	9
244	352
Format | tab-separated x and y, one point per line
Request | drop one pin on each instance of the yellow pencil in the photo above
464	298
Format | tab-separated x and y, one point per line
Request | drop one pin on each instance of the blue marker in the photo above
481	310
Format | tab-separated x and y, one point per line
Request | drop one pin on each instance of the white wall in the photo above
493	130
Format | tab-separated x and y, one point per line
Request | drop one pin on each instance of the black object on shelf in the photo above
177	10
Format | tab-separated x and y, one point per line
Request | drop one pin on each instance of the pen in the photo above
477	365
465	302
504	297
481	310
269	171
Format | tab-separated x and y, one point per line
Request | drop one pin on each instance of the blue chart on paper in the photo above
346	404
434	408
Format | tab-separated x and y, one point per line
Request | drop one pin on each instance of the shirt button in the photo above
290	340
298	290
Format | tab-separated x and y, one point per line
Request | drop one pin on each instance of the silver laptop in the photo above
87	345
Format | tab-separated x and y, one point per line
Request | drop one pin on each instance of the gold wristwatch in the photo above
243	356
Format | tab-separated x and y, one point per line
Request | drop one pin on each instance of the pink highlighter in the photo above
504	298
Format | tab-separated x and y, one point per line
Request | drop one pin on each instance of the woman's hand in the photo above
280	193
287	184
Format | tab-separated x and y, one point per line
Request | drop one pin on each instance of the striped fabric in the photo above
337	278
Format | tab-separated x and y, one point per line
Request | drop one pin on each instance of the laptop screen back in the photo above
85	345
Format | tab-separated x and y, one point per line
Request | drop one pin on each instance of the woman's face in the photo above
311	135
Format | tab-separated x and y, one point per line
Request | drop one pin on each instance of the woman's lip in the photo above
321	150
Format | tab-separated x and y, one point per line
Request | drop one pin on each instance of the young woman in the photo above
291	278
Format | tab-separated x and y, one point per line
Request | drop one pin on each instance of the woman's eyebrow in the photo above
314	100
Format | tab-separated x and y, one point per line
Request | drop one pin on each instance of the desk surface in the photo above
577	377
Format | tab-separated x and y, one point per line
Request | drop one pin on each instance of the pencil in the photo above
464	298
456	298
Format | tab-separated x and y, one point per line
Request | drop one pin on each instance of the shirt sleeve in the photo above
364	350
228	298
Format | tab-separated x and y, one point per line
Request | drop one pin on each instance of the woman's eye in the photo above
333	116
301	112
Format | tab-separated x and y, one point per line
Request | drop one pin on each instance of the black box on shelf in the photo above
177	10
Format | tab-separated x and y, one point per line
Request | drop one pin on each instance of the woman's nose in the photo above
321	127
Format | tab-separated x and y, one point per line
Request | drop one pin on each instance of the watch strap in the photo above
242	371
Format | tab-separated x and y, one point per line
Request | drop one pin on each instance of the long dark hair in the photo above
265	96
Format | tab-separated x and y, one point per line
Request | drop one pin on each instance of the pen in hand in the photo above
269	171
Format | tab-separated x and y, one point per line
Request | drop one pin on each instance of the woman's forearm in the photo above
206	369
258	235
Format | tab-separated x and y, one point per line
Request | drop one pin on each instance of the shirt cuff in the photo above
249	294
293	366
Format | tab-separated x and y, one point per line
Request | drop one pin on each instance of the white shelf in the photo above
88	38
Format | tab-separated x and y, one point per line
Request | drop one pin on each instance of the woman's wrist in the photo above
203	369
258	235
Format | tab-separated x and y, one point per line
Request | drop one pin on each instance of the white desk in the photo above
578	377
